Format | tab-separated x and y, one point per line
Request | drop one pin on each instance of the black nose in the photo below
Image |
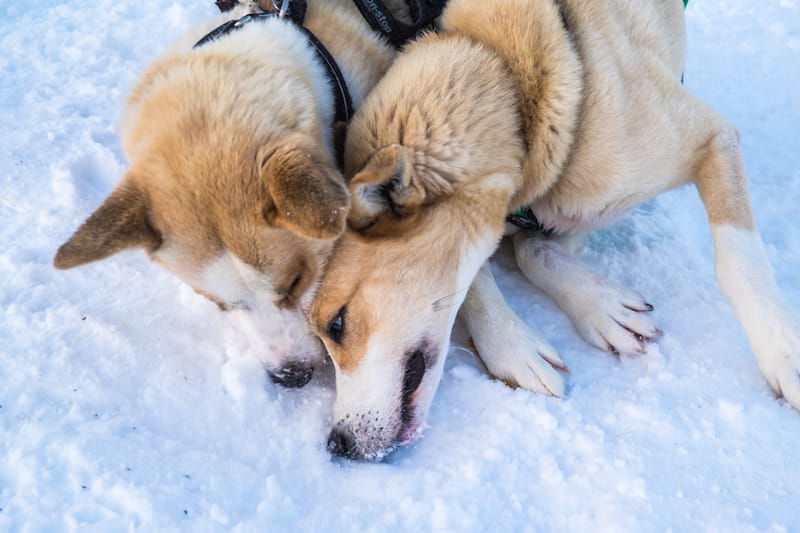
292	375
342	443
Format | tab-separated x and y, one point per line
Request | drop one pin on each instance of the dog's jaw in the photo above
277	336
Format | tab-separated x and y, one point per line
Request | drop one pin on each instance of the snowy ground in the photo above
128	402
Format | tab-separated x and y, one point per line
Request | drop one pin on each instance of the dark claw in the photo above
646	308
292	375
560	368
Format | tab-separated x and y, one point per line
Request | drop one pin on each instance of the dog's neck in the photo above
363	56
549	75
551	106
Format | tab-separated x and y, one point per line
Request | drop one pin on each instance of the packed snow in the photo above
127	402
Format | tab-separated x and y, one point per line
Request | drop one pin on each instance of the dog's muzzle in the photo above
342	442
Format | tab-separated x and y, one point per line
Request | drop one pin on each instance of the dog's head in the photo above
232	188
384	312
390	296
433	155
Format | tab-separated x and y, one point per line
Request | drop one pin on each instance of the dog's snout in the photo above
292	375
342	443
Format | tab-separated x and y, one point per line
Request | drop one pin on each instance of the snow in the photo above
127	402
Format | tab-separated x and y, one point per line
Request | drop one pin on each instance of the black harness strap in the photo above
344	104
397	31
296	13
374	12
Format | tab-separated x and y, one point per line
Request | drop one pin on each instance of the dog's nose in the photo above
342	443
292	375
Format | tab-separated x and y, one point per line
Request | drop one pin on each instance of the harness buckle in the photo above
242	21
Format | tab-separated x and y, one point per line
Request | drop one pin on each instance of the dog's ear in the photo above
120	223
389	190
307	195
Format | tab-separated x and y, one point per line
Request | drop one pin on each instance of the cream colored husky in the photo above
233	184
574	108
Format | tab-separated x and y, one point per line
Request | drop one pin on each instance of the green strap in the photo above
525	219
685	3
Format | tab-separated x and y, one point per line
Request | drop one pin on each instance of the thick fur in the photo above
232	183
572	107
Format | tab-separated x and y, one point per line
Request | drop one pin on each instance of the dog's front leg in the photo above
743	269
605	315
511	351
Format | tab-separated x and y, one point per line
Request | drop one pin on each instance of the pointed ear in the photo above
390	189
308	196
120	223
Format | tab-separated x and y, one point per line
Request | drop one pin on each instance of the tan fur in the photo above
572	107
231	158
726	200
548	75
121	223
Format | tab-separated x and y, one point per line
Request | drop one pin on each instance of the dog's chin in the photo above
408	432
374	448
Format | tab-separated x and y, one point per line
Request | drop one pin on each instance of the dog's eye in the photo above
336	327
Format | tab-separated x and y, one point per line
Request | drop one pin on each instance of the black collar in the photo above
296	14
396	31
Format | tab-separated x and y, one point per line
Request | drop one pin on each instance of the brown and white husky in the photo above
572	108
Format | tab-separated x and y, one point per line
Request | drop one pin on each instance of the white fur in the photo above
356	390
232	280
747	280
604	314
276	335
509	348
469	266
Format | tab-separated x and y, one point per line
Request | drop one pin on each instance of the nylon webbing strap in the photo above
396	31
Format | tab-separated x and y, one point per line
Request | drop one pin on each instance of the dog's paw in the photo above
779	360
613	319
521	358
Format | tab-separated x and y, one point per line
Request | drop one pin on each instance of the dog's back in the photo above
599	85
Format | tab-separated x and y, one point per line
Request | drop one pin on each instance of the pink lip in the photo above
410	433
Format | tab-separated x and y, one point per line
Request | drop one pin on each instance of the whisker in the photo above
441	304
